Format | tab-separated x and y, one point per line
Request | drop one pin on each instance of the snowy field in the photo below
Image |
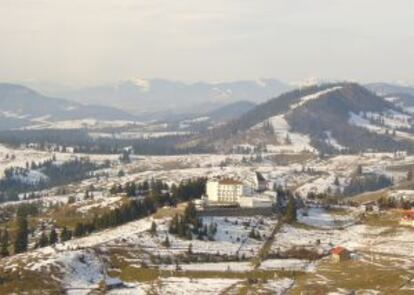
391	120
218	267
177	285
79	263
20	157
320	218
231	238
326	234
287	265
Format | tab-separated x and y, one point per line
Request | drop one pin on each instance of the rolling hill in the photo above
403	95
231	111
21	107
339	117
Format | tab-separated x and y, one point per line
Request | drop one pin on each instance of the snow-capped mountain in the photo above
160	96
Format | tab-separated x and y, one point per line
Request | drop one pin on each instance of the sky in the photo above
89	42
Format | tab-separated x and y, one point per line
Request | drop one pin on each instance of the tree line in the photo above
131	210
80	142
14	181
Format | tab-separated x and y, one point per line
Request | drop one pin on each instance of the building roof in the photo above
338	250
230	182
408	213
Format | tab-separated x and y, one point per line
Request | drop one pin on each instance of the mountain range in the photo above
404	95
333	117
21	106
161	98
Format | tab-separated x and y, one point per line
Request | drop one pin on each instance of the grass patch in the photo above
337	211
351	275
149	274
28	282
168	212
382	219
369	196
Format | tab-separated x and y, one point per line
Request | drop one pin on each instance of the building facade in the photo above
224	191
408	219
339	254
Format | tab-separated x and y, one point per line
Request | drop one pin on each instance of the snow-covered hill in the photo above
23	107
329	116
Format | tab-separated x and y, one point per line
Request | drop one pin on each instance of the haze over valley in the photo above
208	179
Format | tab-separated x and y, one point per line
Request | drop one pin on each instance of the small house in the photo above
408	219
340	254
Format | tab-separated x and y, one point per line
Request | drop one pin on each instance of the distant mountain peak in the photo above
318	81
140	95
143	84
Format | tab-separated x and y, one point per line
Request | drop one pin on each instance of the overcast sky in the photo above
99	41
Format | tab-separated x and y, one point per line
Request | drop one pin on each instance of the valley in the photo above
123	207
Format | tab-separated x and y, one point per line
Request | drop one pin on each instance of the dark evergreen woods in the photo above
187	225
4	243
21	240
290	215
15	181
364	183
157	195
153	194
160	193
79	141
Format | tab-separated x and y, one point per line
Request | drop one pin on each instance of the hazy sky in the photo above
96	41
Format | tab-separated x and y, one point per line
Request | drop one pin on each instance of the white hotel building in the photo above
222	192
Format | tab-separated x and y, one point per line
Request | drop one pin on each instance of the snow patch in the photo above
313	96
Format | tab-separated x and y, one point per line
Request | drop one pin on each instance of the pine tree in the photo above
53	237
211	231
188	235
124	158
4	251
290	215
65	235
190	213
252	234
153	229
21	241
166	242
79	230
43	241
173	228
359	170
